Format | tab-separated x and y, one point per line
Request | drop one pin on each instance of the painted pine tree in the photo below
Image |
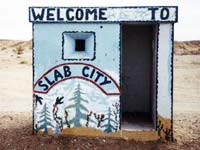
116	114
45	121
110	122
80	109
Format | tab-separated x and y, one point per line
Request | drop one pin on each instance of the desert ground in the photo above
16	104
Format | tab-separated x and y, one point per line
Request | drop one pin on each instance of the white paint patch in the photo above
164	70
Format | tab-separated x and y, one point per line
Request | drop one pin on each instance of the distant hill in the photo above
187	48
181	48
12	44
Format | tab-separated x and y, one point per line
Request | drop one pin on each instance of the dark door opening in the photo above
138	82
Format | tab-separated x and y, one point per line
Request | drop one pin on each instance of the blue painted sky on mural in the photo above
14	15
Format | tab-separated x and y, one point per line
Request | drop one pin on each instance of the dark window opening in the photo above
79	45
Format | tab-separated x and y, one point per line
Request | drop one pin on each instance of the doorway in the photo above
138	77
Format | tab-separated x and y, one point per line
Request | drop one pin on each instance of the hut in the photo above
103	71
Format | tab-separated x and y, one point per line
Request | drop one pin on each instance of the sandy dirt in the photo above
16	107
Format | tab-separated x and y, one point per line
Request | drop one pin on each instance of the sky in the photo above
14	23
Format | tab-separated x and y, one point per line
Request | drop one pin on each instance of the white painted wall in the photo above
164	70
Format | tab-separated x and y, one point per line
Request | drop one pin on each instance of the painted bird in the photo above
38	99
58	101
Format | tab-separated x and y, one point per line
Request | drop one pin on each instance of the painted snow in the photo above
92	100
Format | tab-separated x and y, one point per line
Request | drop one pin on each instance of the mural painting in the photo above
86	98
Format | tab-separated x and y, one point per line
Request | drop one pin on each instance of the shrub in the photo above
19	50
23	62
3	48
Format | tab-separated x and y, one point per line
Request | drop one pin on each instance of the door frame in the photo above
155	50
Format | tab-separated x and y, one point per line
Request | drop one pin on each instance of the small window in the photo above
79	45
